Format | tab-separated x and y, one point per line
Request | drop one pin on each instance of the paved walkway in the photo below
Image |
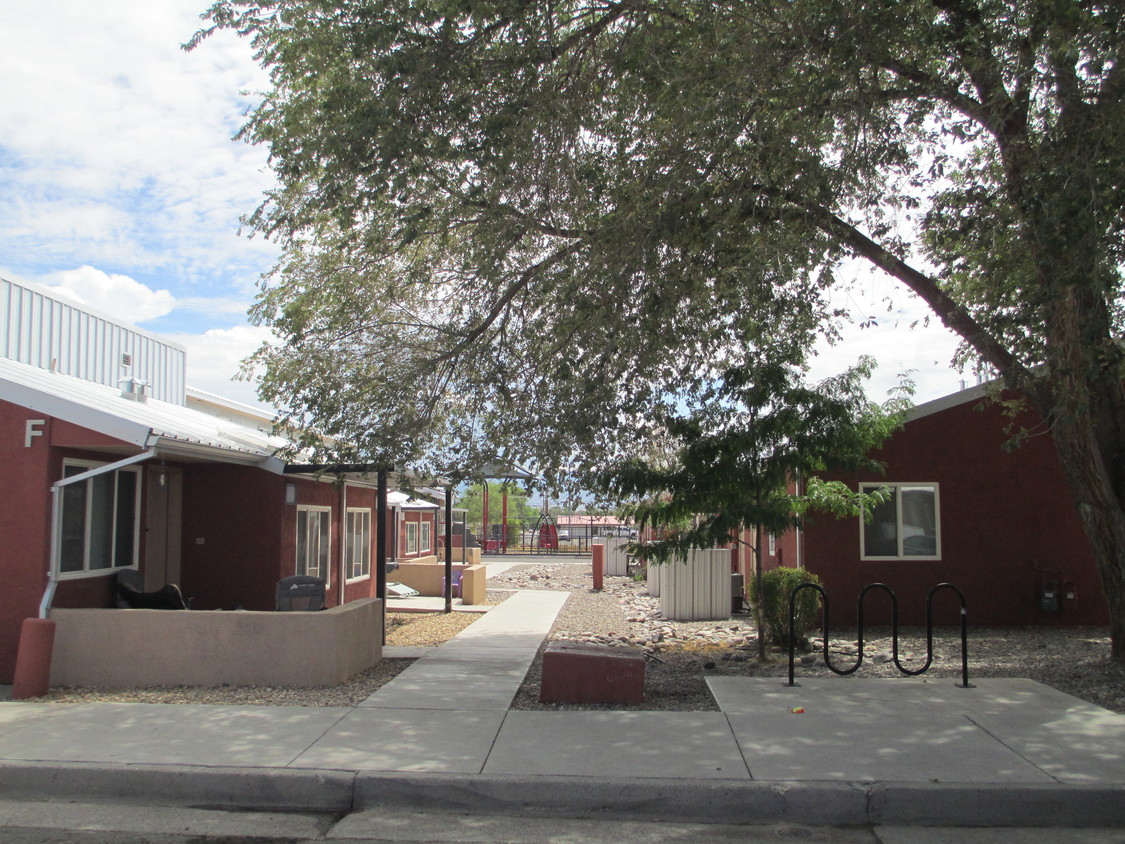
441	736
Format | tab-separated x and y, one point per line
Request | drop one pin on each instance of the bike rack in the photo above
964	684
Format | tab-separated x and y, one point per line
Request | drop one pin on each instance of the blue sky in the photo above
122	185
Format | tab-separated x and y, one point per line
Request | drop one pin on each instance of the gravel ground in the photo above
683	654
1073	660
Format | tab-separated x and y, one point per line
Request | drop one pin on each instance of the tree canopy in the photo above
471	499
590	210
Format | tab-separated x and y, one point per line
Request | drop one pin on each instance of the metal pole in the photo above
381	541
449	549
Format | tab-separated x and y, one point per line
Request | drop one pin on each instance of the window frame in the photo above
350	545
84	465
303	511
426	536
897	487
411	549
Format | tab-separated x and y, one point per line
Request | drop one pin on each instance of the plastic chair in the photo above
455	589
300	593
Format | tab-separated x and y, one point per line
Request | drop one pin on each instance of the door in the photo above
163	526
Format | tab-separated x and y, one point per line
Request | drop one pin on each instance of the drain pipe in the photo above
56	515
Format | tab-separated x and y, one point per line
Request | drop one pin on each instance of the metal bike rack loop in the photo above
964	684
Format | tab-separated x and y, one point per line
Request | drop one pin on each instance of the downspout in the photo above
343	570
56	515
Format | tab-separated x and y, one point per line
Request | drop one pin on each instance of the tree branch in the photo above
952	315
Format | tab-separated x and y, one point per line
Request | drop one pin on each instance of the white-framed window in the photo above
773	545
314	541
358	538
427	544
905	527
99	526
411	537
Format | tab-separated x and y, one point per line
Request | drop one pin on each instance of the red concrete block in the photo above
33	661
579	673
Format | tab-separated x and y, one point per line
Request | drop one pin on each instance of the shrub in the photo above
777	585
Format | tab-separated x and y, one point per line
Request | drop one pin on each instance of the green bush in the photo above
777	585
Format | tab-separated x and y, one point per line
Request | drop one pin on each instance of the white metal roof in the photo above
405	502
170	428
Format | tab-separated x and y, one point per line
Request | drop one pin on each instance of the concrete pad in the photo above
923	746
405	651
436	682
1002	697
693	745
173	734
405	740
1082	745
18	716
496	640
845	695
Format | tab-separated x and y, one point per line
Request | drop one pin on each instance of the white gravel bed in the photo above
1073	660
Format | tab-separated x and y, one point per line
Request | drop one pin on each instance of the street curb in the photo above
695	801
263	789
815	803
988	804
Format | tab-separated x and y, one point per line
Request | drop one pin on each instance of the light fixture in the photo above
290	493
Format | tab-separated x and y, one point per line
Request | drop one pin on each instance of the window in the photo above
314	536
358	544
427	542
906	526
411	537
100	519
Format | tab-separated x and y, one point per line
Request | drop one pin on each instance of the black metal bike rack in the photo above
964	684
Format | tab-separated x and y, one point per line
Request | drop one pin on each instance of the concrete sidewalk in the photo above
440	737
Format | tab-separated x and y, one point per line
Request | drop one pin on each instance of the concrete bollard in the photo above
598	553
33	658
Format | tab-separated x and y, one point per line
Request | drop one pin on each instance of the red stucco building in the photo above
996	522
102	476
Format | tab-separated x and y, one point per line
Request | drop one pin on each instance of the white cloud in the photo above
105	115
897	329
114	294
214	358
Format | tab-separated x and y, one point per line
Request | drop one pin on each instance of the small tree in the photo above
471	499
729	465
771	594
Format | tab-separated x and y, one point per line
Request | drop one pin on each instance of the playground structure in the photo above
542	534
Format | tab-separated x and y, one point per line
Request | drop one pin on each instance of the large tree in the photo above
588	209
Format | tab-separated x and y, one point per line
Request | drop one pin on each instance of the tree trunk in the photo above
1100	512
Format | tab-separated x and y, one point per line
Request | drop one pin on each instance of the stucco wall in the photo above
191	648
427	577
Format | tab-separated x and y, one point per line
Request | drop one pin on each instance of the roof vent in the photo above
134	389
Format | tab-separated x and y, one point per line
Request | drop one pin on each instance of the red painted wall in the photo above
25	519
234	518
1007	523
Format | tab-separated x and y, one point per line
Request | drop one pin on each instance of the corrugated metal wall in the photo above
43	330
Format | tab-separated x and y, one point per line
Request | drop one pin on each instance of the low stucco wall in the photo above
188	648
426	578
461	554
